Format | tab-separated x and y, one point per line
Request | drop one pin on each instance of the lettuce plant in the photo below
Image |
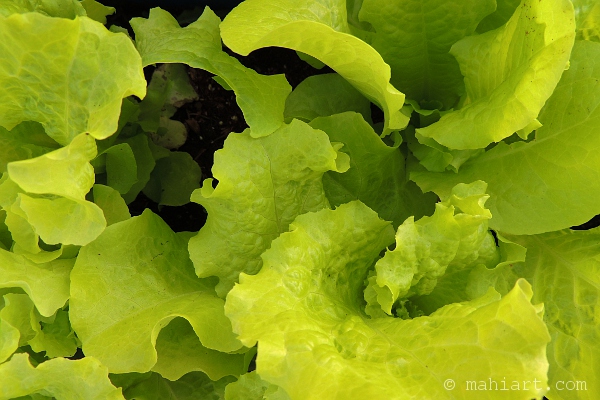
425	254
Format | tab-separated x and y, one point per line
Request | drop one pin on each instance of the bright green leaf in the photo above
53	8
564	269
59	378
304	310
63	172
509	74
453	238
551	182
160	39
318	28
147	280
62	74
46	284
264	183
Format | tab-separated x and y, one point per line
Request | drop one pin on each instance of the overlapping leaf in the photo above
303	309
564	269
59	378
264	184
454	238
62	74
376	176
553	181
161	39
44	197
509	74
320	29
129	284
414	37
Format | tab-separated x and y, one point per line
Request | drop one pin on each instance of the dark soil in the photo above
215	115
211	118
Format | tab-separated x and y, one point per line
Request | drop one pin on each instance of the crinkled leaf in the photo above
112	204
509	74
264	183
324	95
564	269
180	351
497	270
46	284
55	338
320	29
160	39
62	73
59	378
414	37
147	280
251	387
551	182
376	176
174	179
303	309
53	8
453	238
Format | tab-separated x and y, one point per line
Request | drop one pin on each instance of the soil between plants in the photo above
211	118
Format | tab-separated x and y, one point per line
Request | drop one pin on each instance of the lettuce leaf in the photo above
304	310
59	378
376	176
61	73
325	95
320	29
564	269
251	387
47	284
509	74
53	8
160	39
414	37
453	238
551	182
45	197
118	315
264	183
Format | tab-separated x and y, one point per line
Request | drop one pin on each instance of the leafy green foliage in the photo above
294	287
